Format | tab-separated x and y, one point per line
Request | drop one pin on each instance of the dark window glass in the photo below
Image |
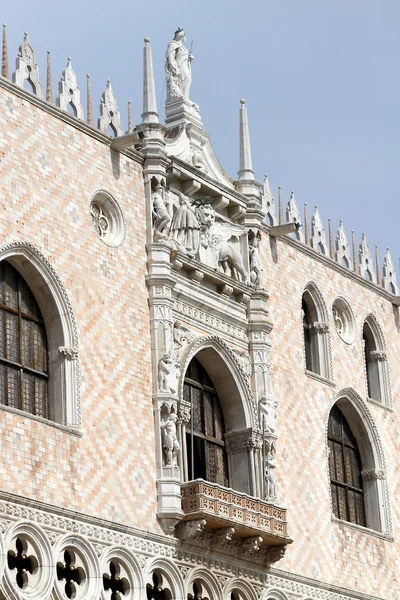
23	346
204	434
345	470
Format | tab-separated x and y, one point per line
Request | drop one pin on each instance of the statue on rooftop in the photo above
178	67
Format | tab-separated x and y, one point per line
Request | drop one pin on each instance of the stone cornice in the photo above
331	263
60	114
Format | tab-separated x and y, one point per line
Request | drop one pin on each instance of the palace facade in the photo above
199	388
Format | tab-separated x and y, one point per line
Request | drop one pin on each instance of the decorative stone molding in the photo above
293	216
374	475
251	546
343	320
107	218
343	252
68	92
378	356
322	327
243	358
27	69
204	318
69	353
223	536
237	441
268	203
389	279
366	263
318	235
189	530
109	114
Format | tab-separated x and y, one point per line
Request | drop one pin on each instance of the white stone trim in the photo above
61	329
324	350
171	576
86	555
131	568
385	388
244	590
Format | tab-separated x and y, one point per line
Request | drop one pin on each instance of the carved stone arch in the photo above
208	581
364	429
231	383
171	577
376	367
244	590
316	337
61	329
274	594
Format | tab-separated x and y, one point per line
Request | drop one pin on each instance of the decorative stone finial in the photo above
318	235
268	203
4	55
280	206
130	126
68	92
26	68
366	264
389	279
49	90
343	255
242	101
377	267
306	226
150	114
89	111
147	40
245	173
293	216
330	236
355	261
109	114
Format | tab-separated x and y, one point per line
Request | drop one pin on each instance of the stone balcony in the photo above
222	508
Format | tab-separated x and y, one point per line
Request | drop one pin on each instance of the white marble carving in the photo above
170	442
254	258
160	214
167	376
109	114
26	68
178	68
185	227
270	477
389	279
293	216
68	92
343	254
268	204
267	409
366	263
318	235
219	244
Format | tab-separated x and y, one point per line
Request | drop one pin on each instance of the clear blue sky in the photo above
321	81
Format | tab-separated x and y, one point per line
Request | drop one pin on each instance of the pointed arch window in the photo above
23	346
345	468
316	334
206	454
375	360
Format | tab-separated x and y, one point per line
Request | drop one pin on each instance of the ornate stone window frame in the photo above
382	366
61	330
172	578
376	491
322	345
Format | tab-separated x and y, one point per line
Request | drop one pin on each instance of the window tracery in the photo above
345	470
205	431
23	346
375	362
316	333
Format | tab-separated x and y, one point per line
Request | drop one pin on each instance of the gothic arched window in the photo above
206	455
23	346
376	366
316	333
345	470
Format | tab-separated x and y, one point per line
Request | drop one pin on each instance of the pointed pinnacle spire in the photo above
378	267
150	114
245	172
280	207
306	226
130	127
49	90
331	250
89	113
355	259
4	56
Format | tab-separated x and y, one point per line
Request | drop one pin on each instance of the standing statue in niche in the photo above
254	258
170	442
268	414
270	477
167	375
185	228
161	218
178	67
